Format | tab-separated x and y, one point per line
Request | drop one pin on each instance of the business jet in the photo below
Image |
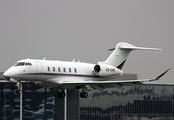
62	75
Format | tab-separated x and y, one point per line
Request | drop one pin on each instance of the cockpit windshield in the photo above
28	64
22	64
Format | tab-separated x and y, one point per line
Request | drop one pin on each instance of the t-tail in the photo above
120	54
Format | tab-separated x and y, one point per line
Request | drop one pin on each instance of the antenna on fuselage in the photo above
44	58
73	60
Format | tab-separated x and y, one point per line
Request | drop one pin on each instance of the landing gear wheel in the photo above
83	94
18	91
61	94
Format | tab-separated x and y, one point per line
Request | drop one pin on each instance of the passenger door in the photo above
39	70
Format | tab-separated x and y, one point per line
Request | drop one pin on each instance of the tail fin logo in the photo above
121	65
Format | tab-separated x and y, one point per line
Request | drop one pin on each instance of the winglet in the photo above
157	78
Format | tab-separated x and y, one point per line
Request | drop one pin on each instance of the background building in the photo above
38	102
142	102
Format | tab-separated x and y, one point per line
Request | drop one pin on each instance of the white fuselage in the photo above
54	71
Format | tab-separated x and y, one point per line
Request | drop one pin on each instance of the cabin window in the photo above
64	69
58	69
48	68
69	69
54	69
75	70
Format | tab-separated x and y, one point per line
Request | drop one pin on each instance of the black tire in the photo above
18	92
85	94
62	94
81	95
59	94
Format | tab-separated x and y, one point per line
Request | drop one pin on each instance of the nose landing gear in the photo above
18	91
61	94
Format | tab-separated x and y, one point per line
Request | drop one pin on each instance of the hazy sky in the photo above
85	29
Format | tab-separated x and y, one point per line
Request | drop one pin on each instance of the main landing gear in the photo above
83	94
18	91
61	94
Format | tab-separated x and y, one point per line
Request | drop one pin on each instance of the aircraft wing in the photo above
96	85
101	85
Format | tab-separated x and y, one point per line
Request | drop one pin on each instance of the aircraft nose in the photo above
7	74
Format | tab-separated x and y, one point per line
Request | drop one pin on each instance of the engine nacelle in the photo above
107	70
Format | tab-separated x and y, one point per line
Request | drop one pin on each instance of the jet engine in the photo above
107	70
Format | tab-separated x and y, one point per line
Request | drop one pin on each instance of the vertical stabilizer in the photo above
120	54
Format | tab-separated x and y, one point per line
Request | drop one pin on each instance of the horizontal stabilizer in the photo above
138	48
127	46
